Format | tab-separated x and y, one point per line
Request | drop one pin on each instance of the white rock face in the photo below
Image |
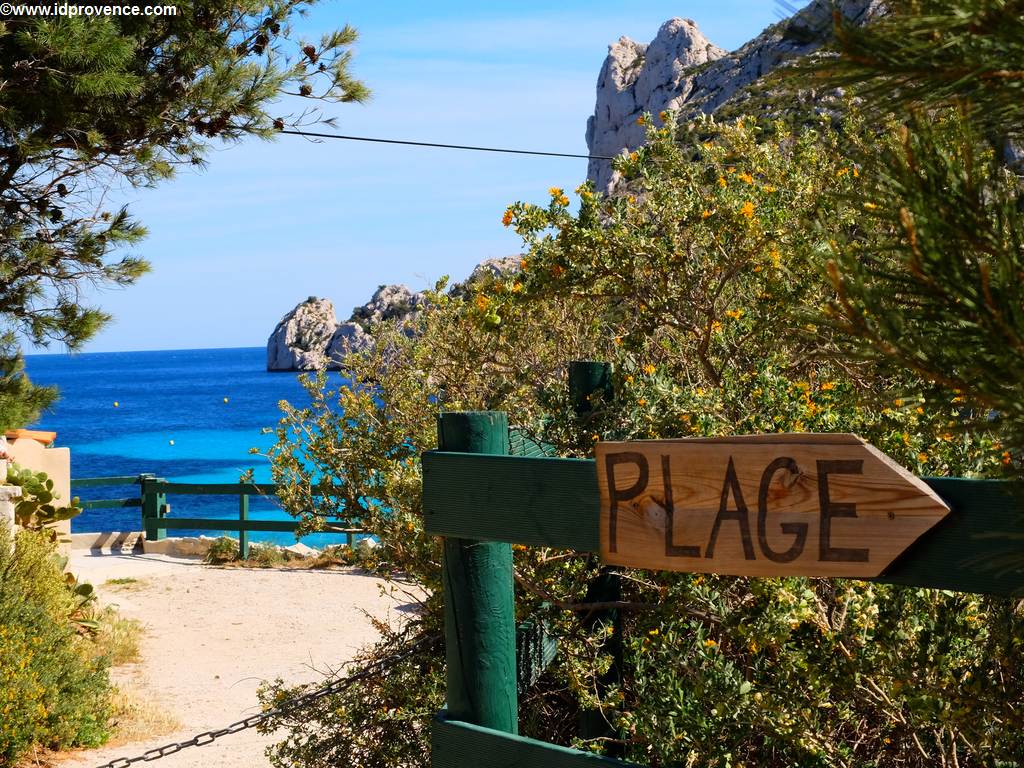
299	342
348	337
682	70
310	338
638	78
388	302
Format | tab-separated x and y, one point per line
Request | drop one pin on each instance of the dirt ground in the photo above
211	635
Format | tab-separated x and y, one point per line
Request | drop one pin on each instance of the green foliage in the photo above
930	279
36	508
21	401
936	53
89	103
704	284
224	549
54	689
375	723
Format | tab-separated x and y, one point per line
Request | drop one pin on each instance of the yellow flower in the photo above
1007	458
716	326
507	218
482	302
842	172
919	410
856	173
721	181
922	457
730	169
747	178
562	200
771	188
898	402
558	270
517	287
870	206
640	120
634	155
748	209
642	401
653	632
706	213
617	341
828	386
709	643
629	379
649	369
555	191
663	116
906	438
734	314
776	258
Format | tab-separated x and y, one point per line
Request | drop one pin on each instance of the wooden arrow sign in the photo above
760	505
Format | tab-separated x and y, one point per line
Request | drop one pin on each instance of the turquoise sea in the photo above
170	419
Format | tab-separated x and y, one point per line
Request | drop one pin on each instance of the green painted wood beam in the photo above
95	482
110	503
547	502
457	744
218	489
218	524
534	501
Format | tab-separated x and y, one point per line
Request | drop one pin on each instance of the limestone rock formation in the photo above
638	78
299	342
310	337
681	70
389	302
348	337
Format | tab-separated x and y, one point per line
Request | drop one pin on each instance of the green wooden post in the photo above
154	506
479	598
588	378
243	536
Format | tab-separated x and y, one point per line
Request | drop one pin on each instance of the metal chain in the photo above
208	737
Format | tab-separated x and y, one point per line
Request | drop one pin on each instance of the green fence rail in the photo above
155	509
484	500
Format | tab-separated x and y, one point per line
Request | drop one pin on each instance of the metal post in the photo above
479	599
243	535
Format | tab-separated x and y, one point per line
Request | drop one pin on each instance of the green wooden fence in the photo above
483	500
155	510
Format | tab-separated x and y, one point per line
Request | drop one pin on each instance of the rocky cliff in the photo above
682	70
299	342
310	338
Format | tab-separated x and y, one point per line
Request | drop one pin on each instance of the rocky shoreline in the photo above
310	338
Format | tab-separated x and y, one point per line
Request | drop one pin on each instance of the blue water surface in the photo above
171	420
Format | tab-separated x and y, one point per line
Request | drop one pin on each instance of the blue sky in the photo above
237	245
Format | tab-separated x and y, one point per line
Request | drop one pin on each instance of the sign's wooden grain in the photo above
760	505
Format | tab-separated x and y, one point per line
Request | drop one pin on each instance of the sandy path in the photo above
212	634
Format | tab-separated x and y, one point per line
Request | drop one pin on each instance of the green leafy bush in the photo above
705	287
54	690
36	508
